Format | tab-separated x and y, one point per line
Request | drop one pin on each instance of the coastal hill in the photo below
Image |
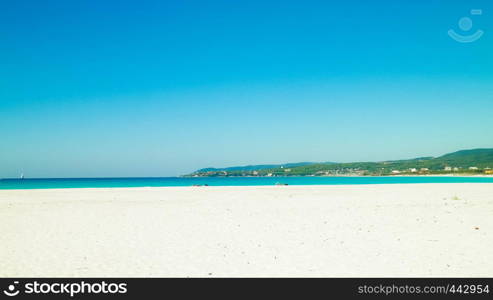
255	167
475	161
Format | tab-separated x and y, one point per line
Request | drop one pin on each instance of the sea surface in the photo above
58	183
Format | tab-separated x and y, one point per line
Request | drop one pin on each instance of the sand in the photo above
412	230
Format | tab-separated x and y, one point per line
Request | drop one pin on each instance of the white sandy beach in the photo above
369	230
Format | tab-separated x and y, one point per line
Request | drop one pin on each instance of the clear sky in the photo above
161	88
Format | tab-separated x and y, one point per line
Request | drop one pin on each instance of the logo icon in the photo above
11	291
465	24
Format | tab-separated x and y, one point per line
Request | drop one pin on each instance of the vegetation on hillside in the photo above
477	161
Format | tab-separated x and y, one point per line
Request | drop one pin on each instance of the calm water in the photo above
217	181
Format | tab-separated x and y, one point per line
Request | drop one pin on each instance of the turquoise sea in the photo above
57	183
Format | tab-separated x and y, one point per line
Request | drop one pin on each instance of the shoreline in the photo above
325	176
161	182
212	187
195	177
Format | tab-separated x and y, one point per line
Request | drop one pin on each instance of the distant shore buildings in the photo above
466	162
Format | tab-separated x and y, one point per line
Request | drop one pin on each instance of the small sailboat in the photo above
22	175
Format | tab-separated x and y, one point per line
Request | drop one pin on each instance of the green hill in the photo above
461	162
477	157
254	167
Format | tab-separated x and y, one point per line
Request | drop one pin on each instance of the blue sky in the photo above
161	88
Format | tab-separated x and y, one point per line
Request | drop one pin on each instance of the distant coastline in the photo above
475	162
351	175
